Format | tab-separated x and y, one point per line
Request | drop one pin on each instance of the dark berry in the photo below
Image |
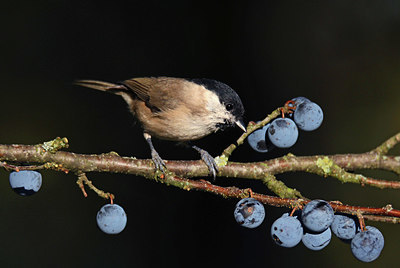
249	213
317	215
287	231
283	132
25	182
111	219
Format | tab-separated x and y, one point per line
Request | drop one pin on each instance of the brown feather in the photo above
141	86
159	93
99	85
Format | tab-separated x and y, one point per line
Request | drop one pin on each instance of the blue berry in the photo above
317	241
317	215
283	132
299	100
367	245
308	116
287	231
257	140
249	213
25	182
344	227
111	219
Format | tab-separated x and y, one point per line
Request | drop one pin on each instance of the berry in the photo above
111	219
257	140
308	116
317	215
296	102
317	241
343	227
25	182
287	231
299	100
249	213
367	245
283	132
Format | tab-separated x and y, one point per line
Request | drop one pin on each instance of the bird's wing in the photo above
159	93
141	87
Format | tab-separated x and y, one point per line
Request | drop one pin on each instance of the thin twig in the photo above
279	188
329	168
79	181
250	129
387	145
235	192
82	178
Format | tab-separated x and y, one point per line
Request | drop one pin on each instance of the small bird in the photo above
178	109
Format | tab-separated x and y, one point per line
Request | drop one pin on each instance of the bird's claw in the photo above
158	162
210	162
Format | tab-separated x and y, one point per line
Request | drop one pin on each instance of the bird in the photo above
177	109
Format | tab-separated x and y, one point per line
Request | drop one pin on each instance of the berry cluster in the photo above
111	218
283	132
316	222
314	227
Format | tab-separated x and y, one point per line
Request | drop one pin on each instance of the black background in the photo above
344	55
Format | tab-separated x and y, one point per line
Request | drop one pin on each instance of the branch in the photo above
83	179
326	165
387	145
386	213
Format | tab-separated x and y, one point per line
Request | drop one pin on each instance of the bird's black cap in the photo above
226	94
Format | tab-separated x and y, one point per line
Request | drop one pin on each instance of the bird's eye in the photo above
229	106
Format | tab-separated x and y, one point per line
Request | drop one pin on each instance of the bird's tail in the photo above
100	85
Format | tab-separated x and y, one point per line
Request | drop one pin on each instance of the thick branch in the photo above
113	163
333	165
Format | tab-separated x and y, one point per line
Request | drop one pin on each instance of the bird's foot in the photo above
209	160
157	160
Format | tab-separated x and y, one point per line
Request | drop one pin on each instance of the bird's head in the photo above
224	103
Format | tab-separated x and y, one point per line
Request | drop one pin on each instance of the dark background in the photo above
344	55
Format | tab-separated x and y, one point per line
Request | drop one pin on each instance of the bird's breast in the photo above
181	124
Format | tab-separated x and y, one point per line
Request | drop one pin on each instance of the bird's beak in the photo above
240	124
